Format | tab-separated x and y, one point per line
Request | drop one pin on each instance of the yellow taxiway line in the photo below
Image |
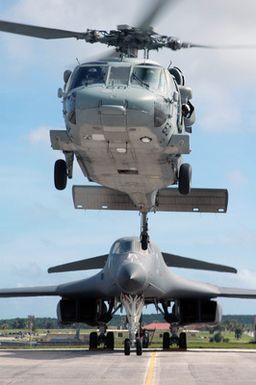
151	368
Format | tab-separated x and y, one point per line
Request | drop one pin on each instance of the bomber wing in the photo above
236	293
84	264
29	291
173	260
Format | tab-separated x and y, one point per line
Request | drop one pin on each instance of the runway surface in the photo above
77	367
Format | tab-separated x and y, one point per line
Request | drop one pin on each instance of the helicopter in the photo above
128	119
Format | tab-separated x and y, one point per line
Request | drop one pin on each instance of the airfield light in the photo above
121	150
145	139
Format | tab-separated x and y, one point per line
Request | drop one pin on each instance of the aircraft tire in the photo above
127	347
138	347
60	174
166	341
93	341
145	340
183	341
185	175
110	341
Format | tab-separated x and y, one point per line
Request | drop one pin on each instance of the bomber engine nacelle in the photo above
89	311
73	310
190	311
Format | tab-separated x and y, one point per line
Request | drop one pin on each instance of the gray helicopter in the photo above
129	279
128	120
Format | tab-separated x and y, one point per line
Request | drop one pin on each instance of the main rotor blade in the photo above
154	12
229	46
39	32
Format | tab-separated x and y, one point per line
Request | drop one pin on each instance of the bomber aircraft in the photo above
128	120
131	278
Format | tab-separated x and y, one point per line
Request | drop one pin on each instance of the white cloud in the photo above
39	135
246	278
237	178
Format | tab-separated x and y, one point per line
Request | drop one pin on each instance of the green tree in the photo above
238	332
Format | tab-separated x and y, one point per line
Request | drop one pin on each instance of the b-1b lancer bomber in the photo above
131	278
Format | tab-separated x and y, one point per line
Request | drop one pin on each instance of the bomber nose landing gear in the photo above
133	305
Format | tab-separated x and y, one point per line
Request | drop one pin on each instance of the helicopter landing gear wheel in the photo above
183	341
185	175
93	341
110	341
138	347
127	347
60	174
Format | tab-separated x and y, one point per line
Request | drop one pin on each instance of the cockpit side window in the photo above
88	75
119	75
148	77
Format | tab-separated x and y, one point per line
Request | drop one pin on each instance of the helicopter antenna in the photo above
170	65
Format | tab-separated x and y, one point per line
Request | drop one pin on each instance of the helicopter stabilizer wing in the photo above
61	141
169	199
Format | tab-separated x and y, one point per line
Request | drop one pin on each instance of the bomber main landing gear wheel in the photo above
60	174
185	175
183	341
138	347
93	341
110	341
166	341
127	347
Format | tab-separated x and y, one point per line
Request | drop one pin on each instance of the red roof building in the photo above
157	326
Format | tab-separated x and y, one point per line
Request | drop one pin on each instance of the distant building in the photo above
157	326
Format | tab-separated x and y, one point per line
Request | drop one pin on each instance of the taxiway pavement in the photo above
78	367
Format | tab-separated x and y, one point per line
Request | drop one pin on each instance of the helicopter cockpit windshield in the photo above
119	75
149	77
87	75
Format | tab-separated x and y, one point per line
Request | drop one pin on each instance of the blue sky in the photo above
39	226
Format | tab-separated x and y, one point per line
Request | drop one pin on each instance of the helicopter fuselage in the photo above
125	124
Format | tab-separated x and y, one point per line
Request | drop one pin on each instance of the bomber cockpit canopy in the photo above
144	75
125	245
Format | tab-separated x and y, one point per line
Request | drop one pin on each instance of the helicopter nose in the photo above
131	278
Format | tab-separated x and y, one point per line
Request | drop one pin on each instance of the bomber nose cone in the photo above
131	278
